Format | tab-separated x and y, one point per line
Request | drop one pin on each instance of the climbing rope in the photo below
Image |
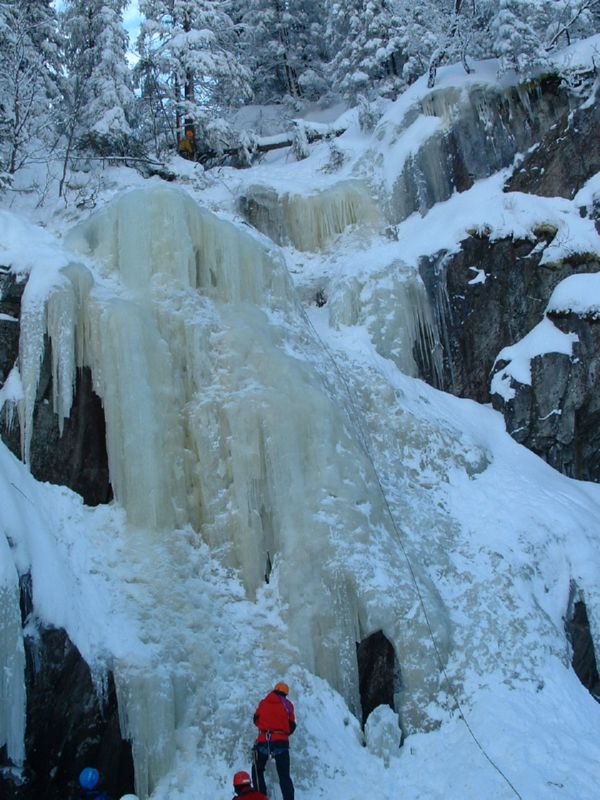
355	419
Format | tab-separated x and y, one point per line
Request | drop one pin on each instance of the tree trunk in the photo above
265	147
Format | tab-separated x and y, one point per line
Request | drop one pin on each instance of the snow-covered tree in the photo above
30	79
366	37
99	97
525	32
189	68
460	19
282	42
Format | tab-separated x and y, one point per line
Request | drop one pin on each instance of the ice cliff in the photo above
223	417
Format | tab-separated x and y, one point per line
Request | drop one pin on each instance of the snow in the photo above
242	419
24	246
577	294
544	338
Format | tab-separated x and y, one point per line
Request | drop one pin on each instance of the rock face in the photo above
77	458
68	726
10	309
481	132
492	293
568	155
486	297
558	416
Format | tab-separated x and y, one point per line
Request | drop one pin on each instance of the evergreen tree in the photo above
99	98
30	80
525	32
311	51
456	36
367	39
189	69
282	42
422	27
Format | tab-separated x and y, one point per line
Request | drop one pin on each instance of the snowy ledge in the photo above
577	294
544	338
31	252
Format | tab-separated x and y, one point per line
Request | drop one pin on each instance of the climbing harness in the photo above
354	418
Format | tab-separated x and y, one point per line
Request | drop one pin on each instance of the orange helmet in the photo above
242	779
282	687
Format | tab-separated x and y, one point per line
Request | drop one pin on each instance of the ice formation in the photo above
438	144
12	660
382	733
221	417
393	304
310	222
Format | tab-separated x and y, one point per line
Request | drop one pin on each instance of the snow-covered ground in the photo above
493	537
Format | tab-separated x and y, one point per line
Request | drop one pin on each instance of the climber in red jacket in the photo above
276	721
243	788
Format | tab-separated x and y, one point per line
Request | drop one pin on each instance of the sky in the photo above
131	17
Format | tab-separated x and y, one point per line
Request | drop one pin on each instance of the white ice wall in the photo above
217	418
393	305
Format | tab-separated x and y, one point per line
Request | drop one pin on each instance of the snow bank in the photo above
577	294
544	338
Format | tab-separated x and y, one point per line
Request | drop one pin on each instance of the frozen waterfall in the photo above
310	222
221	418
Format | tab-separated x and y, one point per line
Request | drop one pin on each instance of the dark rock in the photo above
578	632
567	157
489	127
486	297
68	726
78	457
10	305
11	291
263	209
558	416
378	673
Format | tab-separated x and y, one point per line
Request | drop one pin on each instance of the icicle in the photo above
394	305
132	373
149	238
31	354
59	317
11	396
152	703
12	660
311	222
60	326
216	419
140	348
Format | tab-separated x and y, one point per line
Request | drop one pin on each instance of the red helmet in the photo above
242	779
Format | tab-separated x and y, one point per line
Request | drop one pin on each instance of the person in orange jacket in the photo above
276	721
187	145
242	786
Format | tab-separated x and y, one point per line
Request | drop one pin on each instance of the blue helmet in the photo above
88	778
